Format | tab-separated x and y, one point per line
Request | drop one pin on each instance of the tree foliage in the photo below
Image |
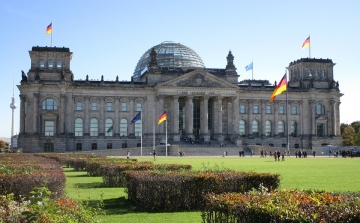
347	135
2	144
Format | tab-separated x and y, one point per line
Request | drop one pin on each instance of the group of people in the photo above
153	153
277	155
302	153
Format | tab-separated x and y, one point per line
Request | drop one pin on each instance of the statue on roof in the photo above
23	76
87	77
153	55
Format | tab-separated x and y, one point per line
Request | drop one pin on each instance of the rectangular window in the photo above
109	106
138	106
94	106
50	64
256	109
49	147
282	109
49	128
109	146
242	109
320	130
268	109
123	106
294	110
94	146
78	106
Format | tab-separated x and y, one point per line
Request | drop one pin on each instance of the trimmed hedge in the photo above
184	190
290	206
20	173
114	175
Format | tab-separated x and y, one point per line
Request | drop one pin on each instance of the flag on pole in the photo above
111	128
49	29
306	43
162	118
137	117
249	67
280	88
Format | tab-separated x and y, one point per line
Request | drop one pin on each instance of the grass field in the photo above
321	173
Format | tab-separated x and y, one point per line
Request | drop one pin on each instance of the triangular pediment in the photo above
321	117
198	78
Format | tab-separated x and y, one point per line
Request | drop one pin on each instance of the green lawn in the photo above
323	173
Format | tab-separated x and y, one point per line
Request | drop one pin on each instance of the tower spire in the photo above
13	107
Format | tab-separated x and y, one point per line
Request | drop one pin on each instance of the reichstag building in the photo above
59	113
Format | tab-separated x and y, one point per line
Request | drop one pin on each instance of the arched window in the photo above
49	104
293	129
50	64
281	128
79	127
94	127
123	127
58	64
242	128
109	127
41	64
255	128
319	109
268	132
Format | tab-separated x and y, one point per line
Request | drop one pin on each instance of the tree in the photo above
2	144
342	127
347	135
356	139
356	126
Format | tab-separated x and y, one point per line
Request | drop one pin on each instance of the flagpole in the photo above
309	47
51	34
252	70
141	144
166	137
154	129
287	116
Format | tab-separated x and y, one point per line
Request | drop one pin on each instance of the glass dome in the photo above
169	54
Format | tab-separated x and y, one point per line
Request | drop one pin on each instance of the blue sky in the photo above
108	38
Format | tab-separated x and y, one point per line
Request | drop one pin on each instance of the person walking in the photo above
154	154
128	155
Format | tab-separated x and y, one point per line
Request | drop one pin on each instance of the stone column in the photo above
102	117
300	125
87	116
189	122
22	114
204	124
312	118
62	113
132	115
262	118
175	130
337	118
36	119
250	116
117	121
219	115
274	126
234	120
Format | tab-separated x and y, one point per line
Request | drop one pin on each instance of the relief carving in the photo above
197	80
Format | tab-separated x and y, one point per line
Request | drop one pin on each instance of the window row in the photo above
109	127
109	106
50	64
51	104
319	109
268	128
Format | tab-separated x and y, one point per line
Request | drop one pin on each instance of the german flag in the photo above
162	118
49	29
280	88
306	43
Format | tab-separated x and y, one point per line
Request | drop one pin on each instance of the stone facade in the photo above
58	113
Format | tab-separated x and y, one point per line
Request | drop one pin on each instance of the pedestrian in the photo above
154	154
314	153
224	154
128	155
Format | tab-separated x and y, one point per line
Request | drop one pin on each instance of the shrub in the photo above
281	206
184	190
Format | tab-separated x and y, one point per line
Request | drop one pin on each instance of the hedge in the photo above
114	175
290	206
20	173
184	190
